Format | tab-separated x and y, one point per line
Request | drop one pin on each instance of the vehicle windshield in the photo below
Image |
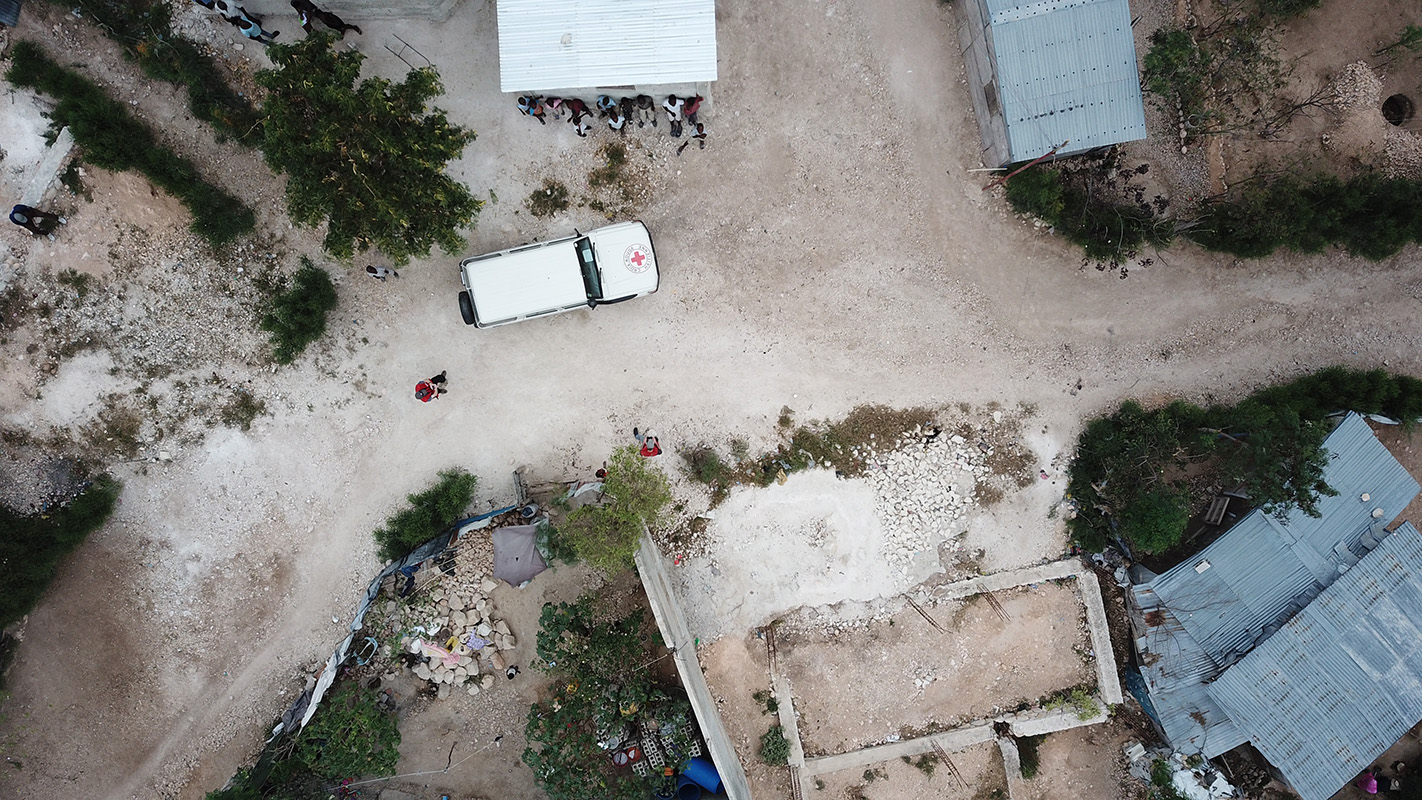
587	259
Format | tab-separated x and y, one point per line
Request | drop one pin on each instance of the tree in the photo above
606	536
601	691
368	160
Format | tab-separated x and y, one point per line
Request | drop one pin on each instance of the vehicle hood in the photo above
626	260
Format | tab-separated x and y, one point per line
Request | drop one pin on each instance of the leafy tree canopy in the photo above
606	536
602	691
368	159
428	513
1139	474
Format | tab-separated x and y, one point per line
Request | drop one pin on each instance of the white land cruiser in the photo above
596	268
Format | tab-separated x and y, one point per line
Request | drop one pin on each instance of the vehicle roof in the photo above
529	279
617	246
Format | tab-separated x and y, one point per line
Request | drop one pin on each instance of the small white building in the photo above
583	48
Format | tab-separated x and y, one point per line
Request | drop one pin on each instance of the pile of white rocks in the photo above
924	485
483	639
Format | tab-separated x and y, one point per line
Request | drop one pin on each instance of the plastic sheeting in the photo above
516	557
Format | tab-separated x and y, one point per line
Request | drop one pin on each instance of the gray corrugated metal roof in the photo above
565	44
1342	681
1066	71
10	12
1193	625
1175	668
1263	571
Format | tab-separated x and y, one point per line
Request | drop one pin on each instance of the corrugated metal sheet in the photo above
1175	668
1262	571
1066	70
10	12
1342	681
564	44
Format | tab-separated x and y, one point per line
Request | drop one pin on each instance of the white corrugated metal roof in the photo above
564	44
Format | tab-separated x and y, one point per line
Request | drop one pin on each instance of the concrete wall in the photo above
672	622
975	40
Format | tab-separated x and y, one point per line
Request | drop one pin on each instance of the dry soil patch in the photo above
980	767
855	685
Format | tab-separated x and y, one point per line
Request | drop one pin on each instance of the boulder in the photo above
498	661
502	627
423	671
458	620
488	585
443	692
484	629
473	689
487	681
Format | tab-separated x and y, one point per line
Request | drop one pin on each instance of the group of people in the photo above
618	113
251	25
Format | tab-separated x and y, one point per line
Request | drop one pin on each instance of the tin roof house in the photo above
1302	636
1048	75
582	48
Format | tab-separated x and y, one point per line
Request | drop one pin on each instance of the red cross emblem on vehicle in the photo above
637	258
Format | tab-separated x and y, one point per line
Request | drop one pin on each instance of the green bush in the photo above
33	545
634	494
143	28
1285	9
365	157
1129	474
704	465
1106	229
350	736
113	139
597	655
1367	215
548	199
1177	69
774	748
297	317
429	513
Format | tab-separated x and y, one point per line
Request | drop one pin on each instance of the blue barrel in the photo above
687	789
704	773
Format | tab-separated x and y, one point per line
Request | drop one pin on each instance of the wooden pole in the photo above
1033	162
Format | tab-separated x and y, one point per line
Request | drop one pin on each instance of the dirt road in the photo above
828	248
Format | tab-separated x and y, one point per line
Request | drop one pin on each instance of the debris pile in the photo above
923	487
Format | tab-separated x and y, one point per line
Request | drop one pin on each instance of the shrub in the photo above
1156	520
113	139
774	749
33	545
600	688
350	736
143	28
1178	70
297	317
606	536
1084	206
1367	215
429	513
548	199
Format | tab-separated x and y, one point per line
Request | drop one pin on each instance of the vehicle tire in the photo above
466	308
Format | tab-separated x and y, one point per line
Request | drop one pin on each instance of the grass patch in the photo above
428	514
33	545
113	139
765	698
548	199
143	28
78	281
1078	698
926	763
297	316
242	409
774	748
115	431
74	182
